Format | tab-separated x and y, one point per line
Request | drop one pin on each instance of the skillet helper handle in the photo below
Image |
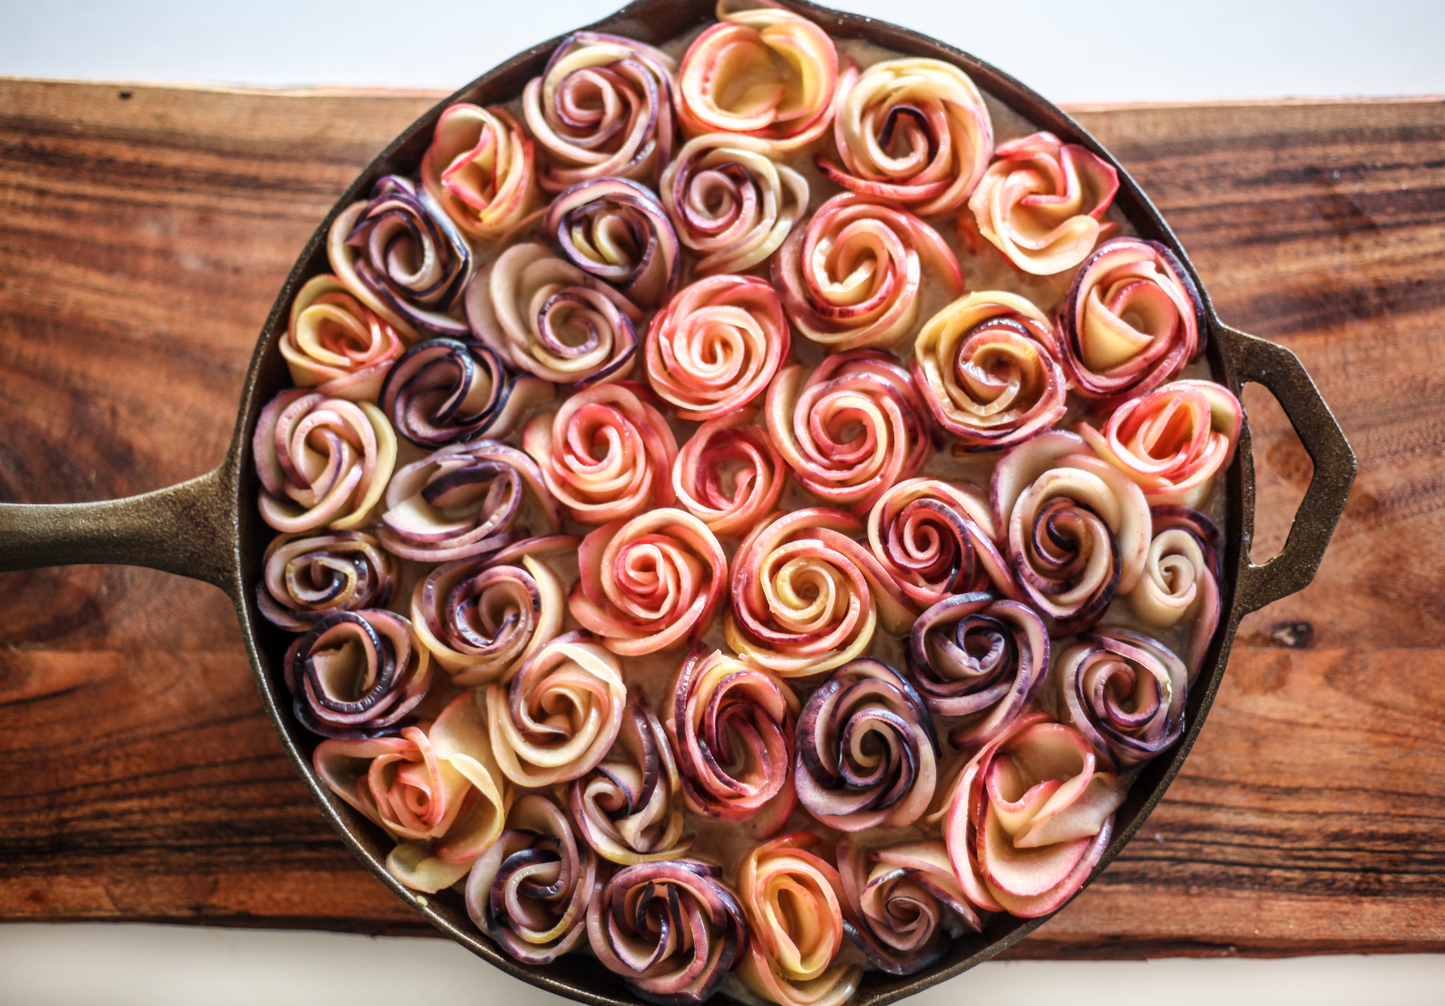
1279	370
185	529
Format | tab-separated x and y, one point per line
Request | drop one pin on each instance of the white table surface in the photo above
1072	52
1068	50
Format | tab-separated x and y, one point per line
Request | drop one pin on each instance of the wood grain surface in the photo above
143	234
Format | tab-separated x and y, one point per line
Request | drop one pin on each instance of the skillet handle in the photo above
1294	567
185	529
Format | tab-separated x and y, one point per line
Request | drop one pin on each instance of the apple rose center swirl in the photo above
560	714
322	462
616	230
794	902
672	930
915	131
480	169
336	343
866	755
602	107
987	365
1124	692
937	539
629	808
852	428
530	890
1131	321
306	578
546	316
443	392
716	345
357	674
649	583
1173	440
763	71
852	278
464	500
731	724
1029	818
729	474
981	659
402	256
1181	578
903	902
806	597
482	618
1041	200
1078	528
731	201
605	455
435	789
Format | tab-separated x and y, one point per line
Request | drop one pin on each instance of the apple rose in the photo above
731	201
605	454
357	674
902	903
988	367
1173	440
794	903
1030	816
628	808
806	597
1181	578
482	618
1131	321
911	130
866	756
1124	692
616	230
479	169
548	317
306	578
530	890
560	714
852	277
980	658
851	428
1078	528
649	583
731	723
602	107
762	70
322	462
444	391
337	344
936	539
403	258
1041	201
716	345
435	789
465	500
672	930
728	475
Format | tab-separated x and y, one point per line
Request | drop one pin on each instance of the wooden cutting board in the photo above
143	234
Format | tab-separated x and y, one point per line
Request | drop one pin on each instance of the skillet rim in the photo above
580	977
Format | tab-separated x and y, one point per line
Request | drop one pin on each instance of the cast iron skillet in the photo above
209	528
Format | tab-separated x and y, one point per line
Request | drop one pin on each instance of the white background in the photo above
1068	50
1072	52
